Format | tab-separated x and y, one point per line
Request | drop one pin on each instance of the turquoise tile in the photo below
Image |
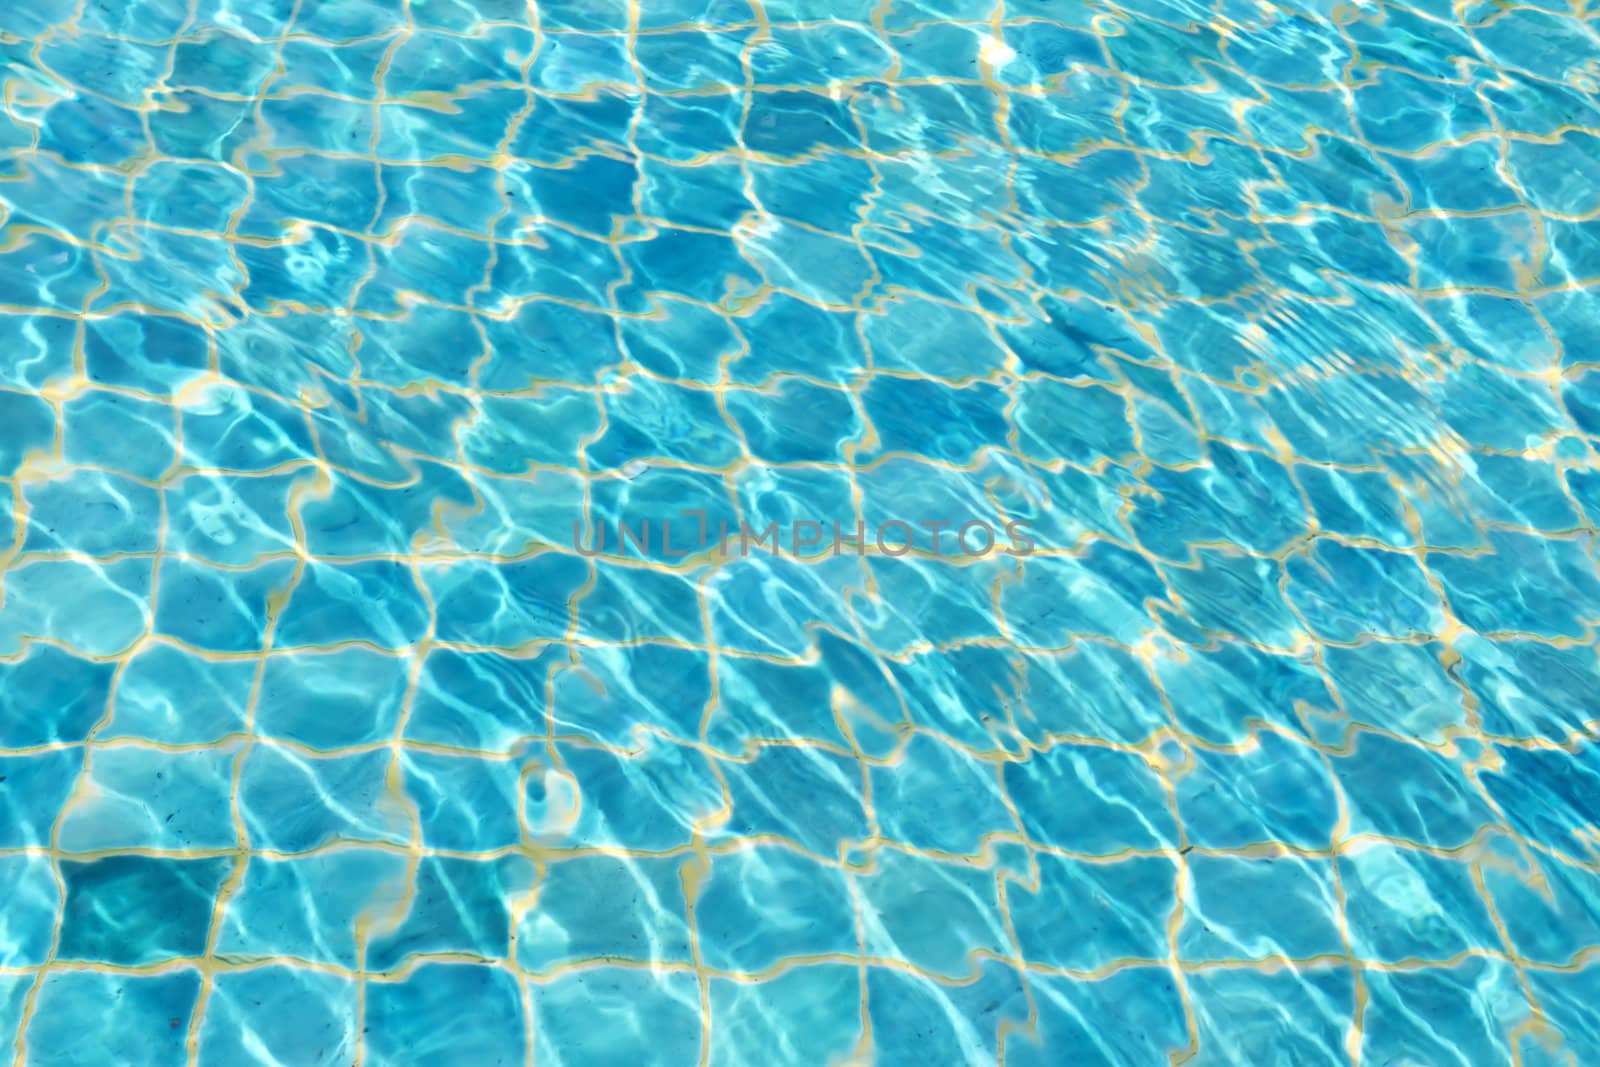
85	1017
1548	799
1128	904
307	907
33	899
1090	799
461	906
131	910
1218	693
741	927
928	914
291	802
1399	790
940	799
1259	908
137	798
1401	687
805	1015
1276	790
463	803
1565	997
421	1016
72	692
605	906
612	1013
914	1016
36	784
335	700
647	799
455	689
1401	904
1280	1017
288	1013
1457	1015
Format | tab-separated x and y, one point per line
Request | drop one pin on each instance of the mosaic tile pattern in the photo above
324	740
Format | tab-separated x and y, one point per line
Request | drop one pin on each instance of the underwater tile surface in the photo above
783	531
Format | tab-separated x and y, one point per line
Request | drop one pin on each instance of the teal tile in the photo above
131	910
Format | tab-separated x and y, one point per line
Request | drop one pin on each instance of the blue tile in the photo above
83	1017
617	1014
133	910
291	1014
422	1016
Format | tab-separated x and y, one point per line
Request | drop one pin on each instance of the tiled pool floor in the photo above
1264	734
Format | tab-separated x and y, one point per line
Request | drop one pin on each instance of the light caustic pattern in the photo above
320	742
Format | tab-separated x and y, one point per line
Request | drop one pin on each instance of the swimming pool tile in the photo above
1087	916
1278	790
1401	904
1072	1014
930	914
1090	690
1230	593
461	906
464	803
1278	1017
1565	997
1399	687
93	513
422	1016
806	1014
70	692
646	800
1346	594
587	694
455	689
1539	899
81	1017
32	898
287	1013
1501	589
132	910
96	132
307	907
96	609
138	798
739	928
1401	790
1188	506
911	611
343	599
1090	799
766	793
1258	908
1501	674
1459	1014
331	700
647	1017
37	785
1548	800
291	802
750	692
621	908
939	799
1116	586
691	58
221	62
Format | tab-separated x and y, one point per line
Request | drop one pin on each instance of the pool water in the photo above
799	532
